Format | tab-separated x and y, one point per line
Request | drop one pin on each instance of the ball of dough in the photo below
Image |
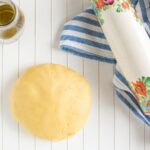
51	101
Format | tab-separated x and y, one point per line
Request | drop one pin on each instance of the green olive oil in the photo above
7	14
11	21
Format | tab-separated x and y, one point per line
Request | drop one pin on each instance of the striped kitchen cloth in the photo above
84	37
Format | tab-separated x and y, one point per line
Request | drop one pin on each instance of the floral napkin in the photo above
84	37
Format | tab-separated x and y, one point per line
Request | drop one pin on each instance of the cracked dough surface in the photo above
51	101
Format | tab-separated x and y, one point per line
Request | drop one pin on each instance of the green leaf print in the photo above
147	82
148	92
119	9
101	21
143	101
105	8
93	0
142	79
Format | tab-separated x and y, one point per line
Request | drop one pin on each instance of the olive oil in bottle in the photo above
7	14
11	21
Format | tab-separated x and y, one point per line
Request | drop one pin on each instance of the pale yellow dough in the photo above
51	101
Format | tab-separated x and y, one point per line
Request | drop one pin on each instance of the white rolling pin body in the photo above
130	45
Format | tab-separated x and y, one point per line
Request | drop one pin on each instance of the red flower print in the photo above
140	88
136	15
125	5
136	96
108	2
100	4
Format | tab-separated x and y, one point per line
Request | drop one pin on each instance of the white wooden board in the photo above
110	126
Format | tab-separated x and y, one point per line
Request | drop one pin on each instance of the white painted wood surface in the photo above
111	126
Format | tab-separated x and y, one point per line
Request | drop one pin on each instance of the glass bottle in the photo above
11	21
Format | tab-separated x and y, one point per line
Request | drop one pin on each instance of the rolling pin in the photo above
130	44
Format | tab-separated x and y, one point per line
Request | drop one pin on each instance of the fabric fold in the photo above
84	37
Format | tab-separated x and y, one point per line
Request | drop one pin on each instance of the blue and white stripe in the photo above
83	36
